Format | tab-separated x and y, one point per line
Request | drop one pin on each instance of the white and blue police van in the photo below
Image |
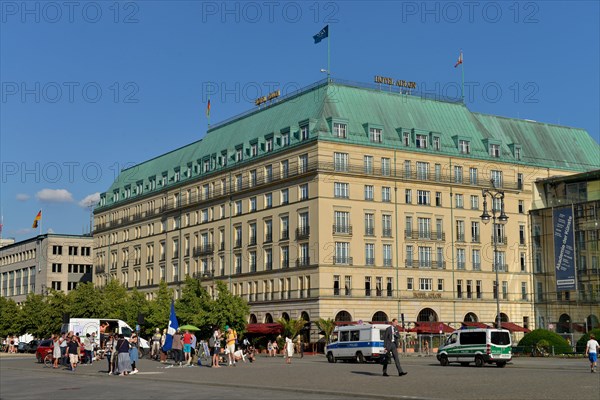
358	343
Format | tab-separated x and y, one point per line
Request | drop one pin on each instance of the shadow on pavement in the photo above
366	373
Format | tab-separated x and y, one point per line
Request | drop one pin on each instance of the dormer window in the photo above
224	158
285	139
437	143
177	175
518	153
375	135
254	149
406	138
494	150
127	193
421	141
304	132
269	145
163	180
239	154
464	147
206	166
339	130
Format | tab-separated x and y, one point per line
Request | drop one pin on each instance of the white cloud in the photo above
54	196
23	197
90	200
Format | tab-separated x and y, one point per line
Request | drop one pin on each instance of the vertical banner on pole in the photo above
564	249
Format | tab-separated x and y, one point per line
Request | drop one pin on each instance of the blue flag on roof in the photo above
172	328
323	33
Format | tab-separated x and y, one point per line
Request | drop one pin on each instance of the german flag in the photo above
38	217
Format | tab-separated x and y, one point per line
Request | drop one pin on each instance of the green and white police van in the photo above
481	346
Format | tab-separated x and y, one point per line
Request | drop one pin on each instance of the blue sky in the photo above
92	87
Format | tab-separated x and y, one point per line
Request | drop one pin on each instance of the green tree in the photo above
136	304
193	306
292	327
57	304
9	313
228	309
31	313
547	338
159	308
115	297
327	326
86	301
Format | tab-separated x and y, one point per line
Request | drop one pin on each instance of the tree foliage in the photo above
292	327
227	309
552	339
327	326
9	312
582	342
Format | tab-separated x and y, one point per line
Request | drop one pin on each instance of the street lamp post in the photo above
494	194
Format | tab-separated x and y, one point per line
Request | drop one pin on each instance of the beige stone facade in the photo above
49	261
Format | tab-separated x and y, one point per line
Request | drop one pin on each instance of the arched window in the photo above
285	316
252	319
564	324
471	317
268	319
427	315
380	316
343	316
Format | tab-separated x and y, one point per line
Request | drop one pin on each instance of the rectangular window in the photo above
459	288
426	284
421	141
504	290
340	161
461	259
369	254
464	146
440	285
336	285
285	168
268	230
339	130
407	169
386	221
268	173
475	236
423	197
386	195
521	207
408	196
458	174
303	163
238	207
269	145
342	253
424	257
494	150
438	199
389	287
375	135
523	262
438	172
436	143
367	286
57	268
347	285
473	176
268	200
409	284
304	132
474	202
460	231
387	255
422	170
340	190
285	196
496	178
459	201
524	291
303	191
409	256
285	139
369	192
368	164
385	166
369	224
522	235
519	181
406	138
341	222
478	289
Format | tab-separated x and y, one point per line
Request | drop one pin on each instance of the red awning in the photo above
263	329
431	328
512	327
475	325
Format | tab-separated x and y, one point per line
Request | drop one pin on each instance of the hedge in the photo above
554	340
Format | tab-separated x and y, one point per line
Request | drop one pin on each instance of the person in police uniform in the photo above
390	342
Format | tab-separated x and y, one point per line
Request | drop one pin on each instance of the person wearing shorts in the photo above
591	350
73	349
230	338
187	346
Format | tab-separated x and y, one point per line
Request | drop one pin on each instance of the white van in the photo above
357	342
482	346
83	326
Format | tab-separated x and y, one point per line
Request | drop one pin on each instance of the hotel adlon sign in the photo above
395	82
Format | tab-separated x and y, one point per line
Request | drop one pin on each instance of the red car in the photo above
45	347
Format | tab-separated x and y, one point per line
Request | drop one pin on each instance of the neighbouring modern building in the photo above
342	201
44	262
576	308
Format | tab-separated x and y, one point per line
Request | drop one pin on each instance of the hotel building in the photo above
342	201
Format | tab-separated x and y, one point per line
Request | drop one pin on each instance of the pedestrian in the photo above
270	349
390	343
73	349
133	352
109	351
288	350
215	347
156	341
63	349
94	346
230	339
56	354
177	348
591	350
426	347
275	347
88	348
193	350
123	356
187	347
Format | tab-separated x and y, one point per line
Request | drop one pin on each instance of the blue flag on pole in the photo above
323	33
172	328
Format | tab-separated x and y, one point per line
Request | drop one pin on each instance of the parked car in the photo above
32	346
22	347
44	347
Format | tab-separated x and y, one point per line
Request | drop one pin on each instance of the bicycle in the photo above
48	360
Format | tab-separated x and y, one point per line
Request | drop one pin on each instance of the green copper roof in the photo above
361	108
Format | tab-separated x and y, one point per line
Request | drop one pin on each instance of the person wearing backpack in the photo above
215	347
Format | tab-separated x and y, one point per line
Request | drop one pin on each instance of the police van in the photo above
358	343
481	346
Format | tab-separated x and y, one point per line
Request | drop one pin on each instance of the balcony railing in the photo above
428	235
370	261
204	250
303	262
302	233
285	235
387	262
460	237
386	232
342	260
342	229
369	231
503	240
475	239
